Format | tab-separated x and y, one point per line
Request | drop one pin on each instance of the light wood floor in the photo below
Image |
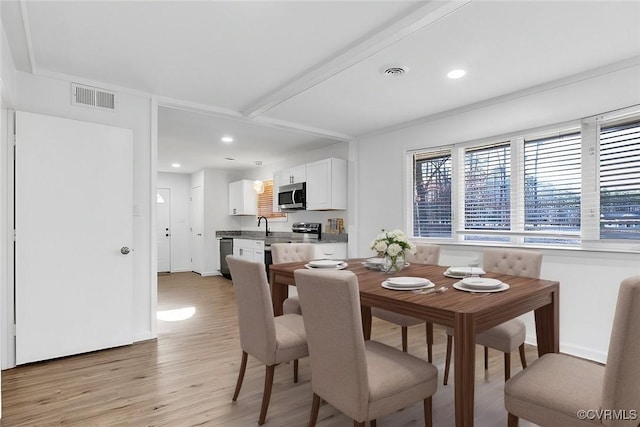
187	376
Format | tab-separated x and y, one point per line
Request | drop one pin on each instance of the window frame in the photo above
439	154
271	215
588	238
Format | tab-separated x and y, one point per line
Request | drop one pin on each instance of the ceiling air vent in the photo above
394	71
92	97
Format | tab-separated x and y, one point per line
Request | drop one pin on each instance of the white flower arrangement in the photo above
393	244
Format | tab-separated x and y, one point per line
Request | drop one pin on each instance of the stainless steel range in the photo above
303	232
310	230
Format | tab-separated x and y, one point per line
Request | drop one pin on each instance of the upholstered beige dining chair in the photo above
291	252
509	335
271	340
425	254
363	379
561	390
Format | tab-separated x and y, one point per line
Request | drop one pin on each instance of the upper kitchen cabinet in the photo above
327	185
242	198
293	175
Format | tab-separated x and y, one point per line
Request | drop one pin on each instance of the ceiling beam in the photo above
164	101
27	34
371	44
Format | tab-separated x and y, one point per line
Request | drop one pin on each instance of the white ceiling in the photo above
282	76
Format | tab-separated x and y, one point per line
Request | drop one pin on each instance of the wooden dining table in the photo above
467	313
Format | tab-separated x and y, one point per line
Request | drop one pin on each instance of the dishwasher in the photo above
226	248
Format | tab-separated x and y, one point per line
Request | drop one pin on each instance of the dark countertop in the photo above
282	236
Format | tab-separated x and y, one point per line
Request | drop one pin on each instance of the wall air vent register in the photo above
92	97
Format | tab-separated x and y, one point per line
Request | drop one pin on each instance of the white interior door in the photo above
195	227
163	228
74	223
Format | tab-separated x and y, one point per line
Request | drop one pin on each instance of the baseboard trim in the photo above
575	350
210	273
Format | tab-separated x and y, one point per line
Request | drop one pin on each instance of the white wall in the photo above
215	215
7	71
216	208
7	94
50	96
180	186
589	280
6	294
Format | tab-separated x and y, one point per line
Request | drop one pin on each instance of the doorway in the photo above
74	233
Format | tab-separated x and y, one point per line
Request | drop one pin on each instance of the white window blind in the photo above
265	202
552	187
487	190
620	180
432	194
576	184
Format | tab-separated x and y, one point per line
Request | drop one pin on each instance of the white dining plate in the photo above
408	281
340	266
453	275
480	282
461	287
388	285
325	263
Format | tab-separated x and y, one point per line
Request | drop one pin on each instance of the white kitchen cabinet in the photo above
293	175
242	198
248	249
327	184
330	251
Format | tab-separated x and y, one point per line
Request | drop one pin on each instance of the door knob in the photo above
124	250
167	235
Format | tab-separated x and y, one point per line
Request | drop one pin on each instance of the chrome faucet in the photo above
266	225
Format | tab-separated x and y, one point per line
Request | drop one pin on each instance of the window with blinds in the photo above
487	190
265	202
620	180
576	184
432	194
552	186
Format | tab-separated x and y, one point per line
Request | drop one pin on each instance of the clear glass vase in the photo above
392	264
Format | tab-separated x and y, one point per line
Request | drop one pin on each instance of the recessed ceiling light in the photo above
227	139
456	74
175	165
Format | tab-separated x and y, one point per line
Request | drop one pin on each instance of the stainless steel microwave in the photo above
292	197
